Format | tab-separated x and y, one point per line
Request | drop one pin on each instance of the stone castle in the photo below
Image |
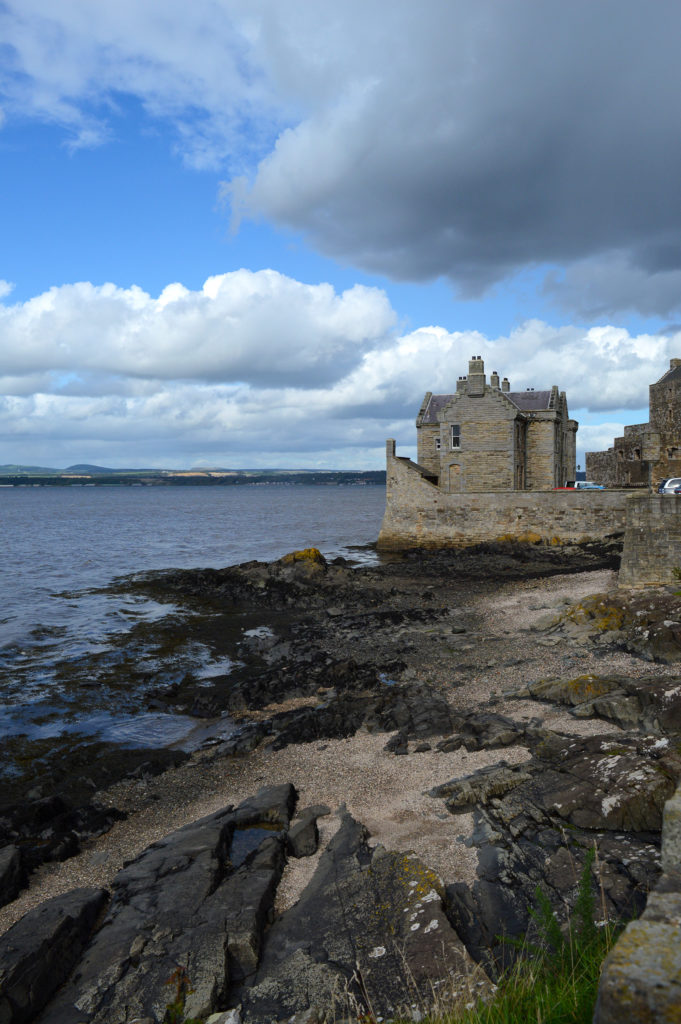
489	459
647	452
486	437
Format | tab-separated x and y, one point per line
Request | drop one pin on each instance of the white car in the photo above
583	485
670	486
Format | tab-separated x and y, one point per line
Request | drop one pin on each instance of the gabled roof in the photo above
434	407
672	374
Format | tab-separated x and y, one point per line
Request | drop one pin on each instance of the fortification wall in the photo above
601	467
652	542
419	514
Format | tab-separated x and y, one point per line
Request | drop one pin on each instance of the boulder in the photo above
12	873
303	837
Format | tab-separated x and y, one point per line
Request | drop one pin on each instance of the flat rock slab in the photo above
381	944
642	704
195	902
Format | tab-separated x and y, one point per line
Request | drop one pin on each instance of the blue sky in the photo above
243	234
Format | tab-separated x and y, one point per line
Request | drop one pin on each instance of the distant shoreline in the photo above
162	478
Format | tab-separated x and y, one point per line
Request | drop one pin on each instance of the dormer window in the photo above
456	435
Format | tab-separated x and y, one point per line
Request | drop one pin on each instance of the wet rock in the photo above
38	953
49	829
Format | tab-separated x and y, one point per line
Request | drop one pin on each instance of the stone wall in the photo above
544	464
652	543
419	514
602	468
485	459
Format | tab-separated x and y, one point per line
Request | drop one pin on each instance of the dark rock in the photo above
450	743
382	936
38	953
183	902
303	837
397	744
534	821
12	873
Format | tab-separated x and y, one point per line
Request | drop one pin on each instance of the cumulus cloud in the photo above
260	328
457	139
261	370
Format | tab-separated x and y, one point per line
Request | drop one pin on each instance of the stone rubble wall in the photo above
419	515
641	978
652	542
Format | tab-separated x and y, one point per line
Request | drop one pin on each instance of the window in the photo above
437	444
456	435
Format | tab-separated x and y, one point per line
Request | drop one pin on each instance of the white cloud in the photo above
260	328
259	369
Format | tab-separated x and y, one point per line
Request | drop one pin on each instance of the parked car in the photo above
670	486
583	485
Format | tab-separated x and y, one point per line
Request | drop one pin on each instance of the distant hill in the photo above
85	467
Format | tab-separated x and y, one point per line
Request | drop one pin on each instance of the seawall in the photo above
419	515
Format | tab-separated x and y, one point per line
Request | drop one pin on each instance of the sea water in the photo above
62	546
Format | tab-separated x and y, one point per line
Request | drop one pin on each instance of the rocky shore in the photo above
397	757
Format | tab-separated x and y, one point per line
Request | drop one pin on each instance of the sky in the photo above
252	234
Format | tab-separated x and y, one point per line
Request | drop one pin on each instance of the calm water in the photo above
60	544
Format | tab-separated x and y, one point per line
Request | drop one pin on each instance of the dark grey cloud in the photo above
459	139
471	140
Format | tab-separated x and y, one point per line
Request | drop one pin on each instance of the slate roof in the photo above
530	401
526	401
435	405
672	374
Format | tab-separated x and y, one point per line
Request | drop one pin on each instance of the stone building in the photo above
486	437
646	451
